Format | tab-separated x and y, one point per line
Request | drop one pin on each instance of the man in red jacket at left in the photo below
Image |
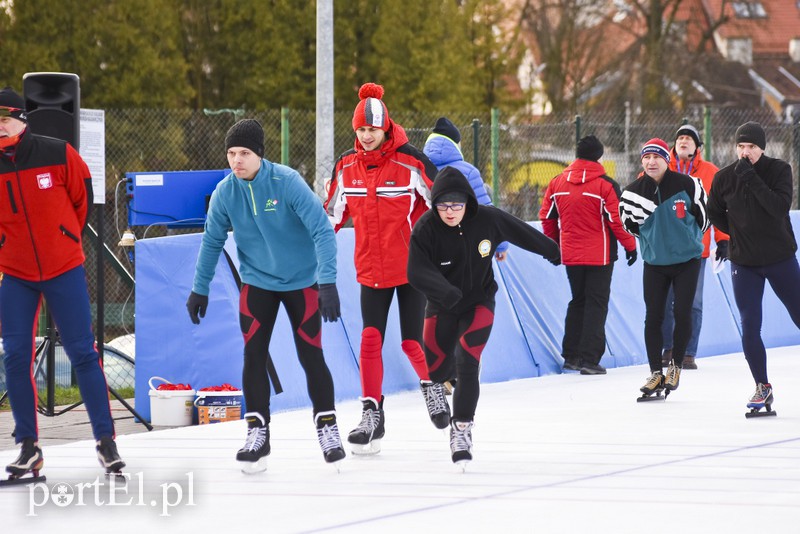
45	193
586	201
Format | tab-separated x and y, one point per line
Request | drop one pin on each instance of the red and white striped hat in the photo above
371	111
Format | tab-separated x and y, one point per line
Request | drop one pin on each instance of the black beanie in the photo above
452	196
751	132
691	131
10	99
247	133
589	148
448	129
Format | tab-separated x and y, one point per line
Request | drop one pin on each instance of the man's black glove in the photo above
722	251
329	306
631	256
555	260
197	305
744	169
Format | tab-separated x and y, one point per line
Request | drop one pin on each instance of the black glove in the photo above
197	305
329	306
555	260
631	256
744	169
722	250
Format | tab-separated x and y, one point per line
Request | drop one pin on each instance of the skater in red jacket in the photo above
383	185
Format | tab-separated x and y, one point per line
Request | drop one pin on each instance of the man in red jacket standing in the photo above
46	194
686	159
586	203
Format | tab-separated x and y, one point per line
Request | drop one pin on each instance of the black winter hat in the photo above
448	129
247	133
589	148
751	132
691	131
10	99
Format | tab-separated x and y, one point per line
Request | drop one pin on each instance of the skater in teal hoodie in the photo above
286	247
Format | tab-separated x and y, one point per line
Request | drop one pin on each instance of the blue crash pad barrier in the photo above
525	342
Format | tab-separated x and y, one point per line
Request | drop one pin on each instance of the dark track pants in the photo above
258	310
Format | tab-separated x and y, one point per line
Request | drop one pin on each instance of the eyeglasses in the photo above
6	112
456	206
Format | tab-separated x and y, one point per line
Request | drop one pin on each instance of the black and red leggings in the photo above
453	347
258	309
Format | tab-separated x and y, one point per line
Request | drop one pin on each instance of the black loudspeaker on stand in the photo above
52	102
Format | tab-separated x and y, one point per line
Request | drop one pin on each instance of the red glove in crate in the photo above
223	387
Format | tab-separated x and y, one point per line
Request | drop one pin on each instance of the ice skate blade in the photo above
756	412
368	449
253	468
21	480
657	396
118	477
461	465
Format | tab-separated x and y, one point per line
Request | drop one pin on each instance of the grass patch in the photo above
69	396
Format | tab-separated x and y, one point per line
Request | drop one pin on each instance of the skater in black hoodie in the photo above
450	262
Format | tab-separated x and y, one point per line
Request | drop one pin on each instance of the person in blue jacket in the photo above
286	246
443	148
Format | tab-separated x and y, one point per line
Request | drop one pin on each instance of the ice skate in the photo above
461	443
29	462
652	389
762	399
438	409
366	437
252	457
328	435
109	458
673	378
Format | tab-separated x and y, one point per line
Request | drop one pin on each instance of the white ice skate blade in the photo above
253	468
373	447
461	465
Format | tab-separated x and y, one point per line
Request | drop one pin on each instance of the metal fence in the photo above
516	159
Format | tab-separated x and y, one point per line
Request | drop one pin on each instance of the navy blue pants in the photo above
748	290
67	298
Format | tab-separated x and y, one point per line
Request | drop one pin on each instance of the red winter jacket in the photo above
705	171
586	203
384	191
43	207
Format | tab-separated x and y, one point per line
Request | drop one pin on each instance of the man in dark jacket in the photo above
450	262
750	200
45	202
580	212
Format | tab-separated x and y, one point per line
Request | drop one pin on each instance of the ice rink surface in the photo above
556	454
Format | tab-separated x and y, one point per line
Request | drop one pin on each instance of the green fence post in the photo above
495	151
285	136
707	133
476	130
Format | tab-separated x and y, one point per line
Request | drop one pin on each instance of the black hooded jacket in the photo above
452	265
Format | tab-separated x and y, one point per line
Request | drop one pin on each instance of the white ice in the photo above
560	454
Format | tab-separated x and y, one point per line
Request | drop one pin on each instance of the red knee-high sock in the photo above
417	358
371	363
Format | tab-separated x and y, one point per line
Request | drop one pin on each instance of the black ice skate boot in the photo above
461	442
30	459
108	456
328	435
256	447
438	409
366	437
